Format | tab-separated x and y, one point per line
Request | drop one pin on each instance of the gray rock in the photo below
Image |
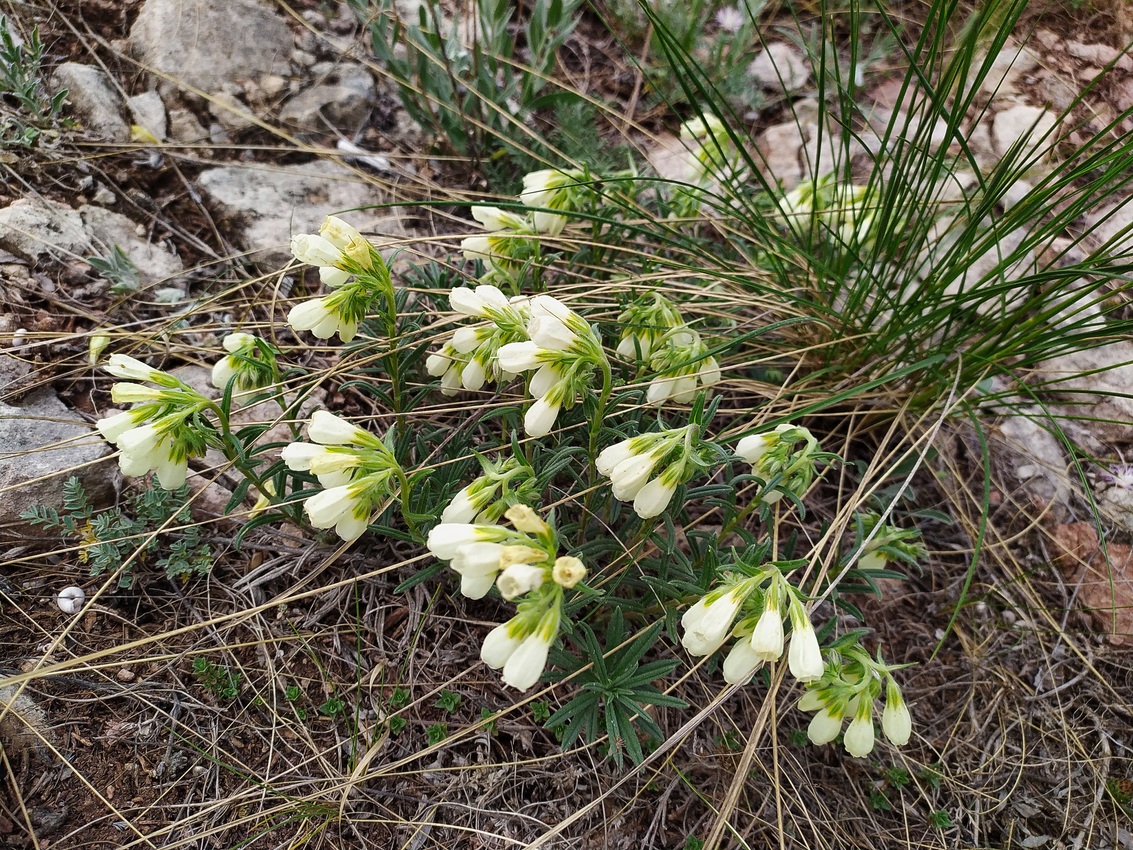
275	203
148	112
1093	387
1009	68
184	127
32	228
94	99
342	99
780	68
106	229
43	443
1033	124
231	113
206	43
1025	445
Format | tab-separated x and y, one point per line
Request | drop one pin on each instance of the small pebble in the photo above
126	675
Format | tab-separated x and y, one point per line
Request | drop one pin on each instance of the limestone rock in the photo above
94	99
275	203
780	68
1027	448
342	99
1035	125
1094	389
43	443
184	127
206	43
32	228
1010	66
148	112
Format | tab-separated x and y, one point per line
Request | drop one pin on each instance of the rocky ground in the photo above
203	135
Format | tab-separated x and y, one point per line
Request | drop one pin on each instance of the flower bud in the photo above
526	520
896	722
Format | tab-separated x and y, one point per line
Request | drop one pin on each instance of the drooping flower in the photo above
632	467
163	429
773	457
502	483
338	250
564	352
505	247
859	734
358	470
645	323
804	656
468	359
707	623
896	721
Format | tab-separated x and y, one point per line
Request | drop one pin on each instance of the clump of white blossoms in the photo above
848	688
504	483
649	468
830	207
164	428
552	192
887	544
468	359
350	265
760	601
357	469
774	458
250	362
683	367
505	247
563	351
521	562
644	324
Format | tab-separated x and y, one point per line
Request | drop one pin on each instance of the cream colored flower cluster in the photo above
521	561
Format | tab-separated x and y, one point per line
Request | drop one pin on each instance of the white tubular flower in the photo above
317	317
124	366
477	248
329	430
859	734
811	700
629	477
493	219
540	418
477	303
223	371
568	572
144	441
519	579
332	466
171	473
473	376
526	664
824	727
754	447
330	507
347	238
741	663
767	639
804	656
462	509
500	644
707	623
896	721
519	357
609	458
545	377
652	499
318	251
447	538
113	427
550	189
